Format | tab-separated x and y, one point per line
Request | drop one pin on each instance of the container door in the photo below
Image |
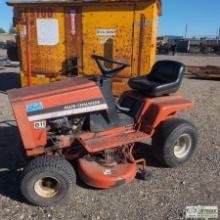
47	40
107	31
72	65
145	36
48	47
55	42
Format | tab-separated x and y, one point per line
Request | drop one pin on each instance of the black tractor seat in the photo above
165	78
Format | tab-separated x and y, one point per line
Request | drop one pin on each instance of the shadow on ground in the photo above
145	151
9	80
11	162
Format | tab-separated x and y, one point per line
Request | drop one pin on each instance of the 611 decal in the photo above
40	125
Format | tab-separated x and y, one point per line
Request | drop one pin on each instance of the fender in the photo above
157	110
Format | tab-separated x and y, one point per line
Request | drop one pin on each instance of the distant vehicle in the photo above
162	48
12	50
202	45
3	45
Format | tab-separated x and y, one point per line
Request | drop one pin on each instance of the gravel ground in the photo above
165	196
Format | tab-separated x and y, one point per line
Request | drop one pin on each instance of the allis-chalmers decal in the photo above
83	104
35	111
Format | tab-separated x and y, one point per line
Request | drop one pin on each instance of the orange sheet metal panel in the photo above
107	32
46	56
94	174
34	105
50	56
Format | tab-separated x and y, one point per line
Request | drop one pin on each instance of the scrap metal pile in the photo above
5	62
206	72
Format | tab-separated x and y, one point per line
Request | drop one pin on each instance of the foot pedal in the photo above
145	175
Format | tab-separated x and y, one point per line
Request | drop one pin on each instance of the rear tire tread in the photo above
164	136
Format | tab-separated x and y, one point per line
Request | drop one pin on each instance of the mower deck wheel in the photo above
174	142
47	180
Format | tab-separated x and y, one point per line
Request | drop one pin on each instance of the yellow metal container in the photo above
57	38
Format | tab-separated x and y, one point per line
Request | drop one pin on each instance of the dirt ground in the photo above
193	60
6	37
164	197
3	53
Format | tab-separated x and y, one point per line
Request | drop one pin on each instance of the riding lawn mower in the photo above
77	128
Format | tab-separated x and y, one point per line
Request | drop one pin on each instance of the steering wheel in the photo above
107	72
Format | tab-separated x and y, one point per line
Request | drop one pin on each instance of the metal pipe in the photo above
29	54
141	43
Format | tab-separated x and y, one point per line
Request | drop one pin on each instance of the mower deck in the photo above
98	176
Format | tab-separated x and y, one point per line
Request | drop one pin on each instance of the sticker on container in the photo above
39	125
33	107
40	76
23	32
106	32
47	31
73	22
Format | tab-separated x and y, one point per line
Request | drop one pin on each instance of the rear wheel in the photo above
174	142
47	180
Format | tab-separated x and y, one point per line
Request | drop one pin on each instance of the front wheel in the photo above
174	142
47	180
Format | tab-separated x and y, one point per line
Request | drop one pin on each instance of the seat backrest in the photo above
167	71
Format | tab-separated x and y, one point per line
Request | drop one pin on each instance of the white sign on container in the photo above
47	31
23	33
106	32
